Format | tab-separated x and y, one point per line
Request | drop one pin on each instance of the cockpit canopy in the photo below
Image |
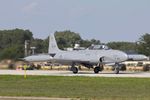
98	47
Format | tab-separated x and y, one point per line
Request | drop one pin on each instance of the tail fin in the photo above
53	48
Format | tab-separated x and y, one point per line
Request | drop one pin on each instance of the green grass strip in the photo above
76	87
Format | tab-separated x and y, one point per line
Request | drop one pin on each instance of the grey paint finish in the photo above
81	56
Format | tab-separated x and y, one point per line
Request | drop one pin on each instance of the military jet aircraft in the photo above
87	58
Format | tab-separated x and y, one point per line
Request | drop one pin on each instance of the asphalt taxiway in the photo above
81	73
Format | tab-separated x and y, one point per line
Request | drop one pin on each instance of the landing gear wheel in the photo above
117	70
75	70
96	70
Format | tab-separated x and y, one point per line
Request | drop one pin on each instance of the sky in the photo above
104	20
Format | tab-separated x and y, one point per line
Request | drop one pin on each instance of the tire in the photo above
96	70
74	70
116	70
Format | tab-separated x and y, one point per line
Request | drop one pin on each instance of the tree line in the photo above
12	43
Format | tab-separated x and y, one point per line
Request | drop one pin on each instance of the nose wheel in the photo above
116	71
74	70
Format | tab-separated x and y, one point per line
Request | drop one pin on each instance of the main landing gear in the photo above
99	68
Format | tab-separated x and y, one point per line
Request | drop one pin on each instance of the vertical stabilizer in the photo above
53	48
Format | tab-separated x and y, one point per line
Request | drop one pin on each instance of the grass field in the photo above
76	87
